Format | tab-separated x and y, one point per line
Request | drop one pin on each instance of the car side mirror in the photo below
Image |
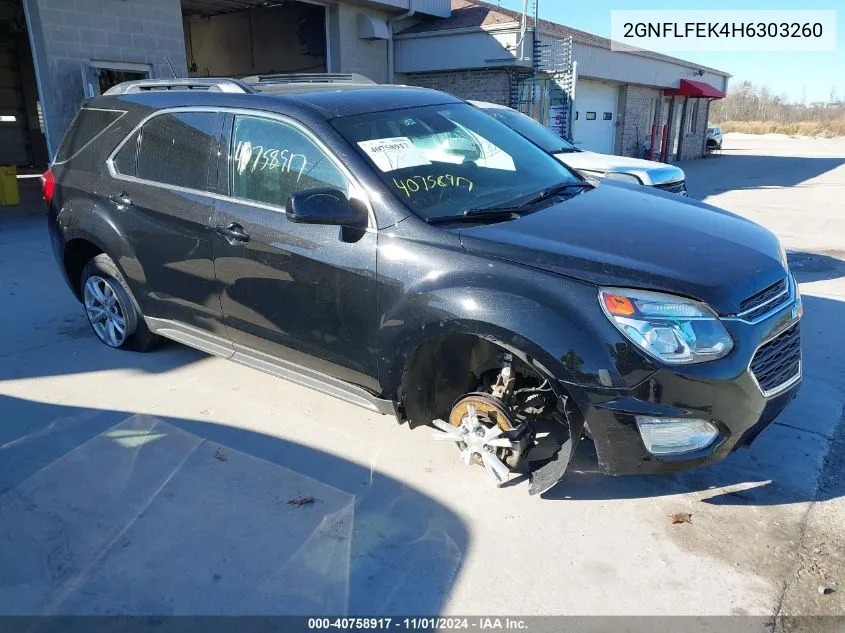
325	206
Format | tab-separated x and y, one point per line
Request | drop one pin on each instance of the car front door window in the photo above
272	160
303	293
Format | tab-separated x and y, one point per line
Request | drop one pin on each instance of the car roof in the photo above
327	100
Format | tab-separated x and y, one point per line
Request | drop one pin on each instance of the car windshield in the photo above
533	131
442	160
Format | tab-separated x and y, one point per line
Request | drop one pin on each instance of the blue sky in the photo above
793	74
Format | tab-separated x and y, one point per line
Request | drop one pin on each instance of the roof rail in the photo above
315	78
201	83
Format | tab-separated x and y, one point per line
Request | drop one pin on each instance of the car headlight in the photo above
672	329
613	175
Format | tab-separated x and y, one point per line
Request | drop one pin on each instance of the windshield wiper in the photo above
550	191
477	215
507	212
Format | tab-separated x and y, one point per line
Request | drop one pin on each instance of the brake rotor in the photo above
476	424
488	408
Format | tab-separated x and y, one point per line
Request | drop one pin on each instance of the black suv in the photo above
400	249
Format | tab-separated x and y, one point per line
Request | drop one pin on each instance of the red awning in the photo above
690	88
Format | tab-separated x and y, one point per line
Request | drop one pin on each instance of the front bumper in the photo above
723	392
678	187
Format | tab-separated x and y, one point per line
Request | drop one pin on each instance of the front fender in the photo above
553	322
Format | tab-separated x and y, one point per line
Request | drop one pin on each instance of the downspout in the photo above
390	22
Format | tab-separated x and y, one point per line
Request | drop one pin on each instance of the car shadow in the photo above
818	266
729	172
112	513
784	463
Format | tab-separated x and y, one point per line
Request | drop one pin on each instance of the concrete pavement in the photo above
174	482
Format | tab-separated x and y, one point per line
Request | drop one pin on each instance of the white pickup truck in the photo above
589	164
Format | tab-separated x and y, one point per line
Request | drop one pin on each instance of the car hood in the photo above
649	172
621	234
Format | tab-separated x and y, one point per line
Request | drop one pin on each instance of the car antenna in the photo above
171	67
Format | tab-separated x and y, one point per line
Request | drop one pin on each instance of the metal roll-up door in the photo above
15	147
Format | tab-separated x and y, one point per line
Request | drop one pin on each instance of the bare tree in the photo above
747	102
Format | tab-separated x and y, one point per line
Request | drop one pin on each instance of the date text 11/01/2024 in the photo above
419	624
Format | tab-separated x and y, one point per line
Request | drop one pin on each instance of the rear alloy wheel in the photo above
109	313
112	311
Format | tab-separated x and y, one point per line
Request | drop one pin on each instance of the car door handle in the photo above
234	233
121	200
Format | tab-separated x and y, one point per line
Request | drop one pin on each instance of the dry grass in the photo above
802	128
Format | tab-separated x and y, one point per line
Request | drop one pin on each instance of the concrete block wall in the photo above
483	85
356	55
67	34
637	118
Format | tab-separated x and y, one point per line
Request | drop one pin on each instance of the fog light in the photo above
672	436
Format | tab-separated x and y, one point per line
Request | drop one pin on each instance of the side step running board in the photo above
211	344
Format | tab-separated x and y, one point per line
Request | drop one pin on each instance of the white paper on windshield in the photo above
394	153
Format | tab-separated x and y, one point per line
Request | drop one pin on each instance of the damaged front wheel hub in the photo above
476	424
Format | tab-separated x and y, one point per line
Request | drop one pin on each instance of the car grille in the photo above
679	186
758	304
778	362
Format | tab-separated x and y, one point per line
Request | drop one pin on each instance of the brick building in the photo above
482	51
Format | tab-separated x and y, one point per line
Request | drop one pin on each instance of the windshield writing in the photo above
442	160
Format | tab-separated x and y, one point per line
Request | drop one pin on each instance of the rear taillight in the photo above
48	185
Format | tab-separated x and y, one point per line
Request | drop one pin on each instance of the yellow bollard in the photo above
10	194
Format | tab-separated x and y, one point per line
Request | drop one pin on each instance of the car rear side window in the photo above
176	149
272	160
124	160
87	125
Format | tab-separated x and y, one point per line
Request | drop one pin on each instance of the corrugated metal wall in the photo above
488	49
455	51
440	8
601	63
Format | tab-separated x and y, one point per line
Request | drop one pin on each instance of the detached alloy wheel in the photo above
110	316
111	309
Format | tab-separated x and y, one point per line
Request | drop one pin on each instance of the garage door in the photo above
594	121
14	130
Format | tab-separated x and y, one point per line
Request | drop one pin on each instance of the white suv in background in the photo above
590	164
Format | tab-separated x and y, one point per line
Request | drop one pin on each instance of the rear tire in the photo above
111	309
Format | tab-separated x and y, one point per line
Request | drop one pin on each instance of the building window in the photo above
608	116
692	117
591	116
